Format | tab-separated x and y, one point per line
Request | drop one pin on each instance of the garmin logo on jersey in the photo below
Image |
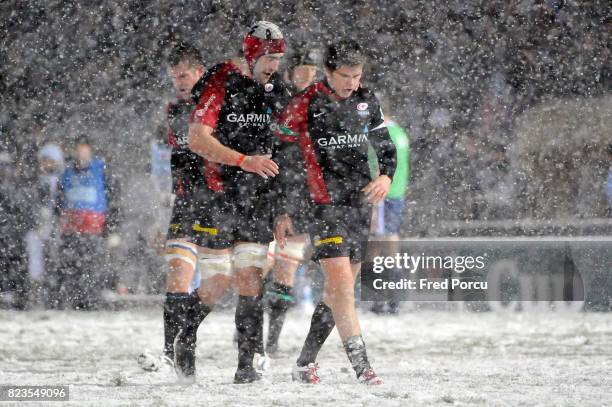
343	141
250	119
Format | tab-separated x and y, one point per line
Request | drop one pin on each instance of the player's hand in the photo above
261	165
378	189
283	226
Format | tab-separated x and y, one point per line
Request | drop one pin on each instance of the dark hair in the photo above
344	52
303	54
184	52
83	139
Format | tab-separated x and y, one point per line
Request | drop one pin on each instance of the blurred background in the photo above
507	106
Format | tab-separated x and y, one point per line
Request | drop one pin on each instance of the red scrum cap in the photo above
263	38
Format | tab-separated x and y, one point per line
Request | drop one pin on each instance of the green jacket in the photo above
402	147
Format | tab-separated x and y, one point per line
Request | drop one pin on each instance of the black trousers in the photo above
80	272
14	275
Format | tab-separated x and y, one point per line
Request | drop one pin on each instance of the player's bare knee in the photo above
285	272
248	278
336	294
248	281
214	288
249	260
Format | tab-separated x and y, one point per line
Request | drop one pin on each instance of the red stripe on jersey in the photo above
170	134
212	96
295	120
172	139
180	190
322	87
314	175
212	174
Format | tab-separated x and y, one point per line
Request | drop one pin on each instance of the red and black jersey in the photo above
186	166
333	135
240	110
189	170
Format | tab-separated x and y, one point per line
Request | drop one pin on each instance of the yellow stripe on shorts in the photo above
210	231
334	240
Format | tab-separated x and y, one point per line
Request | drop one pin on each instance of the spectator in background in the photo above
84	209
148	201
15	222
43	241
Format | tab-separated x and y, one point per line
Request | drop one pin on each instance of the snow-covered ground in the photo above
426	358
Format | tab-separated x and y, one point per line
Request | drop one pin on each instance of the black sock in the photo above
195	315
356	351
175	314
281	299
259	348
249	324
321	325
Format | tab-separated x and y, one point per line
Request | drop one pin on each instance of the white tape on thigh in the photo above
184	251
250	255
272	250
215	264
293	251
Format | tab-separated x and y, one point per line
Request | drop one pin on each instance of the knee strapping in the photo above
250	255
184	251
215	264
292	252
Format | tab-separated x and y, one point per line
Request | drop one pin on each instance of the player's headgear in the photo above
263	38
344	52
304	55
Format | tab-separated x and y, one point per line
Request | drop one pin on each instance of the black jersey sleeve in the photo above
381	140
